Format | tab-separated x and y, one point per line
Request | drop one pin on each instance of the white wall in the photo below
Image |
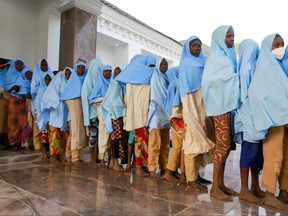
17	24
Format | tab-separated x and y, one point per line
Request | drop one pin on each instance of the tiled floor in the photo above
27	187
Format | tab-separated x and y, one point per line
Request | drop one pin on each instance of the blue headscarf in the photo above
171	98
3	74
23	82
113	105
285	61
138	70
13	74
38	75
74	85
157	116
190	69
89	110
244	128
220	81
101	85
37	101
51	103
268	91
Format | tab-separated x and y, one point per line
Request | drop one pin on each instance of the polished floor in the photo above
28	187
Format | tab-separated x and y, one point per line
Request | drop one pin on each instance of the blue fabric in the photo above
89	110
285	61
190	69
138	70
220	81
268	91
13	74
3	74
170	101
251	155
38	75
101	85
157	116
23	83
74	85
51	103
113	105
243	120
42	114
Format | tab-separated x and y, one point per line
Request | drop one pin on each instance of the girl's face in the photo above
229	39
67	74
47	79
19	65
107	74
195	47
277	43
116	72
80	70
28	75
44	65
163	66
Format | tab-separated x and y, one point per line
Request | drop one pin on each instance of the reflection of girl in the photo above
269	101
221	95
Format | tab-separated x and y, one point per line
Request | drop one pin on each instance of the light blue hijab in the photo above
138	70
89	110
3	74
113	105
190	69
268	91
158	117
38	74
101	85
51	103
171	98
220	81
37	101
244	128
74	85
13	74
23	82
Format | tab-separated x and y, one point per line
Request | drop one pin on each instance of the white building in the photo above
31	29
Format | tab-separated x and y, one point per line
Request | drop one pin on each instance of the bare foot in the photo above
117	168
103	165
283	196
127	171
168	176
257	192
246	195
228	190
217	193
78	163
111	164
183	180
203	180
140	172
197	187
272	201
176	175
92	163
